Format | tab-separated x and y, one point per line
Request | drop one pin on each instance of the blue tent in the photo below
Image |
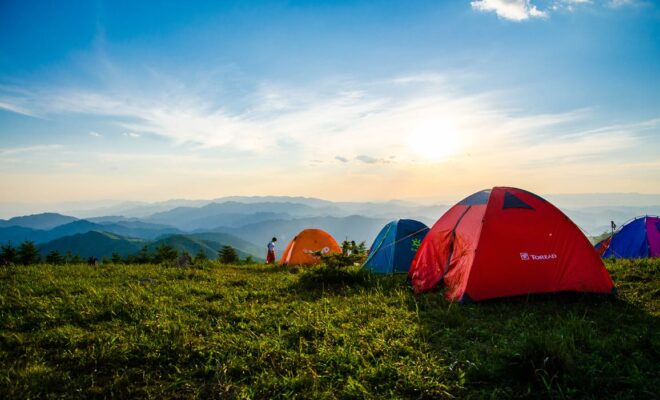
395	246
639	238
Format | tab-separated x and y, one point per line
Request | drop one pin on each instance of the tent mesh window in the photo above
511	201
476	199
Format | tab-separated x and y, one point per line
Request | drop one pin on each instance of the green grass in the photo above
146	331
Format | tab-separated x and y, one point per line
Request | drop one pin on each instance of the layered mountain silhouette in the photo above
245	223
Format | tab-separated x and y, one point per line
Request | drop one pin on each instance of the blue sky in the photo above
341	99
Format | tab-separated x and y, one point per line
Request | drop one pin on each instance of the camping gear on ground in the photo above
638	238
506	242
300	250
395	246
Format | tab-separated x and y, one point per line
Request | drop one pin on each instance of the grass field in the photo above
148	331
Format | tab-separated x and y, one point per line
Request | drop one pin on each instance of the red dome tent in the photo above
506	242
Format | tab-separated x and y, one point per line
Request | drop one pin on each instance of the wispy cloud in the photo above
343	120
11	151
95	134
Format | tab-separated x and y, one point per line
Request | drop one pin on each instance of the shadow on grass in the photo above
563	345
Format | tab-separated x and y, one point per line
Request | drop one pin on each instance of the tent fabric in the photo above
394	249
639	238
506	242
299	250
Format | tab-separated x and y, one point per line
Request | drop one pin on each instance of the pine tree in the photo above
227	255
200	257
7	254
142	257
165	253
76	259
116	258
55	258
28	253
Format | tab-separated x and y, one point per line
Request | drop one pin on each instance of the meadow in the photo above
252	331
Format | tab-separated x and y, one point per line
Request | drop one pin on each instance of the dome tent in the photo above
506	242
639	238
395	246
299	250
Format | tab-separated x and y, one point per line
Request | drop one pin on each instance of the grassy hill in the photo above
143	230
103	244
97	244
193	244
145	331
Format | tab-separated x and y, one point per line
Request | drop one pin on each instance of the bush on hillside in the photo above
351	254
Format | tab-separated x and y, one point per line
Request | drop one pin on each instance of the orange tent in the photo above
299	250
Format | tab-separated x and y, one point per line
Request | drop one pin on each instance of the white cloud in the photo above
95	134
515	10
131	134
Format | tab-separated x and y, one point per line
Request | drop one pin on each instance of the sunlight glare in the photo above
434	140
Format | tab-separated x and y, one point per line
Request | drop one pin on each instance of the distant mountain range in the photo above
38	221
248	223
138	229
104	244
354	227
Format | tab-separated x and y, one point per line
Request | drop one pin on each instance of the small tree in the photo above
55	258
165	254
228	255
7	254
115	258
28	253
75	259
200	257
142	257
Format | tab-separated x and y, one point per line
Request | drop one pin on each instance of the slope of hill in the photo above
102	244
17	234
97	244
246	246
42	221
193	245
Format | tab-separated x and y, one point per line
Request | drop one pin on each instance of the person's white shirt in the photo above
271	246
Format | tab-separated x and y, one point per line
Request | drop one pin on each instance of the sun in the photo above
434	140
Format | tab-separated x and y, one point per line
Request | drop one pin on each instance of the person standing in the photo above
270	256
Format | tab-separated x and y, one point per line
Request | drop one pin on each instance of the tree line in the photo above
27	253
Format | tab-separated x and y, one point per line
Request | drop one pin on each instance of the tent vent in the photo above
511	201
476	199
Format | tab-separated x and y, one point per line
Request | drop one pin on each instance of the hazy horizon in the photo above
346	101
84	209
